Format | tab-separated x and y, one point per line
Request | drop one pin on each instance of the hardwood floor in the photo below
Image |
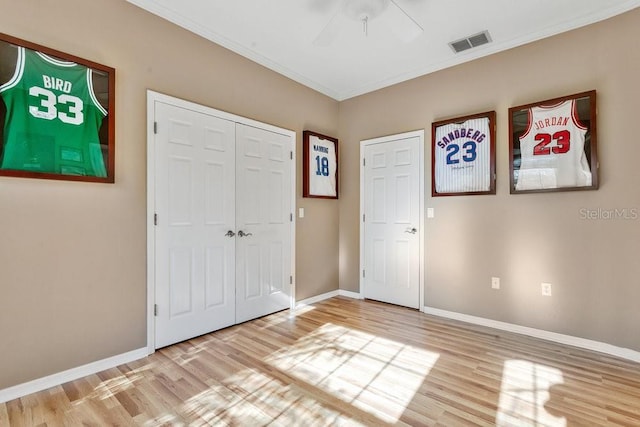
348	362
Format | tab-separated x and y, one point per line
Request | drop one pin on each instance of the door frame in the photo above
152	98
383	139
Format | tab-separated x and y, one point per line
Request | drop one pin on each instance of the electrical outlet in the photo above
495	283
546	289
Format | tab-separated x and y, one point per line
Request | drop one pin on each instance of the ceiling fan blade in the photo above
330	32
401	24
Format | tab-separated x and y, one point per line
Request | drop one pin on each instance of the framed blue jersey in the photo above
463	155
320	165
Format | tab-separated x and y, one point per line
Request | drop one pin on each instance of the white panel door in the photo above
391	219
263	245
195	204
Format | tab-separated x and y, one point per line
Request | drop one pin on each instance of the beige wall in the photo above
73	255
524	239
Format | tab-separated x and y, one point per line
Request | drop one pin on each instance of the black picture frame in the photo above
57	120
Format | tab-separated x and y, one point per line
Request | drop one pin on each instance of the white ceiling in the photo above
280	34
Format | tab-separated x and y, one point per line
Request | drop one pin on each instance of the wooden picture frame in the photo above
553	145
57	115
319	166
463	155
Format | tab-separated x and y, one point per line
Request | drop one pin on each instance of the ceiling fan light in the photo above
360	10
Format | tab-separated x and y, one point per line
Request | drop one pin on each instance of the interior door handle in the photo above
411	230
230	234
243	234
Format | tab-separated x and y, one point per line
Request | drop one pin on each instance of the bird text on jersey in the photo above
56	83
471	134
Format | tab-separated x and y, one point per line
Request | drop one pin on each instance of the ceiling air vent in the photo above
471	41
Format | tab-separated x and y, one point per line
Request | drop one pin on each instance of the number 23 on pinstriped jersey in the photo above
463	151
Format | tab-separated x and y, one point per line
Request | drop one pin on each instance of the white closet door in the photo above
263	245
195	204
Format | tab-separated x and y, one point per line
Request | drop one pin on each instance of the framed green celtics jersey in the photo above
56	114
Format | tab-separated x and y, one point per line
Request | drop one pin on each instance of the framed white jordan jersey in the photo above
553	145
320	165
463	155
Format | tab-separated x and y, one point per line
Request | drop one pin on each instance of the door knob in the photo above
230	233
243	234
411	230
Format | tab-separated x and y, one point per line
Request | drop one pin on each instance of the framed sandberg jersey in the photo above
553	145
463	155
320	165
56	114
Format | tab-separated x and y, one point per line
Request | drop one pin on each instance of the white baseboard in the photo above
601	347
44	383
322	297
349	294
316	299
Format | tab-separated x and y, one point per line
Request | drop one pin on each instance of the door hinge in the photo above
290	217
363	275
291	155
364	162
155	127
155	219
291	280
363	217
155	309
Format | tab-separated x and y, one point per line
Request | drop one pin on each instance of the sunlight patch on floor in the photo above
107	389
377	375
251	397
524	392
219	404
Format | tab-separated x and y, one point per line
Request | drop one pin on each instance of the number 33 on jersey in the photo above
53	118
462	157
